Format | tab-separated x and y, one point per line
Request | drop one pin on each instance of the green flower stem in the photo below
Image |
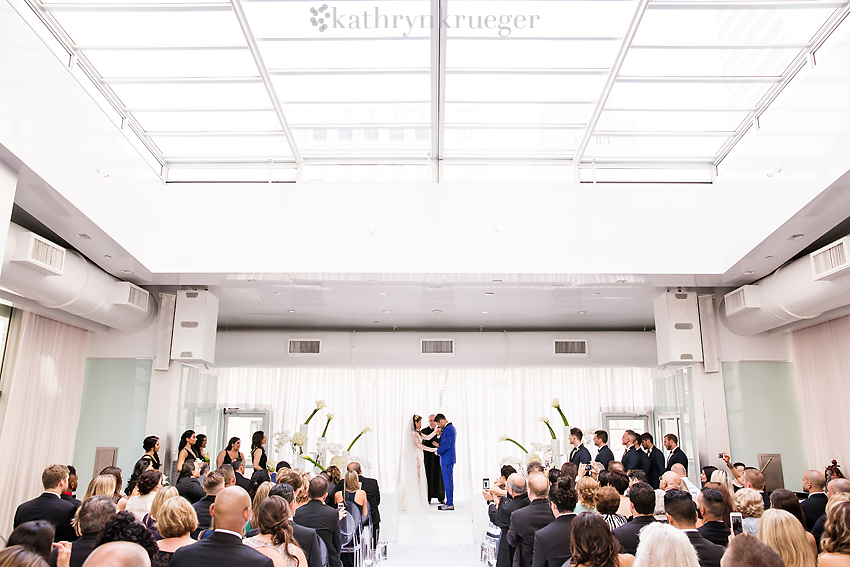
308	458
325	430
355	441
566	423
517	444
551	431
315	411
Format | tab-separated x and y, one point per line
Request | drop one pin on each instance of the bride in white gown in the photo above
412	482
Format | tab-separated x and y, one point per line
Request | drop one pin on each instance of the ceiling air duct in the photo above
38	269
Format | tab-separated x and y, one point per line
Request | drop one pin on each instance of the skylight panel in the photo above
575	113
686	95
671	121
365	87
358	113
603	145
347	54
521	141
208	121
173	63
542	87
197	96
530	53
708	62
223	147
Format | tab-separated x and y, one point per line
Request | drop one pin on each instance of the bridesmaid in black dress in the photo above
230	453
258	451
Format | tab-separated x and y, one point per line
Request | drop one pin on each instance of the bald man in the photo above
526	521
814	506
835	486
118	554
231	512
670	481
501	511
679	469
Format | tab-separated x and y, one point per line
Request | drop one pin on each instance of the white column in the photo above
163	400
710	415
8	185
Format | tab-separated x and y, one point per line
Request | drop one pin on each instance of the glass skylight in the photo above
373	91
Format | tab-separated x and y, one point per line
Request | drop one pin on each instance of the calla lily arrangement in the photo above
557	405
309	458
319	405
545	420
533	458
365	430
506	438
330	416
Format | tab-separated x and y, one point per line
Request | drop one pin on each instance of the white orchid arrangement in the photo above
364	464
330	416
365	430
557	405
281	440
533	458
319	405
545	420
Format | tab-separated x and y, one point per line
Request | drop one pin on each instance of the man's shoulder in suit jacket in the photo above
308	539
813	508
552	543
507	508
50	508
202	510
628	535
373	497
325	520
219	549
716	532
677	456
708	553
582	455
243	482
524	523
604	456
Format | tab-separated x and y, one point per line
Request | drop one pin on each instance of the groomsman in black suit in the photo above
633	458
579	454
526	521
656	460
432	463
605	455
231	510
50	506
671	443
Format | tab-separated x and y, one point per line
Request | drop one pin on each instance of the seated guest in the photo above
259	497
258	478
836	537
307	538
665	546
682	515
783	533
526	521
669	481
749	503
239	473
276	539
188	483
725	479
754	478
280	465
231	510
586	488
301	496
552	543
119	554
229	475
616	466
149	484
353	493
747	551
334	476
36	536
711	505
729	505
213	484
554	475
92	517
123	526
176	520
116	473
607	504
593	545
814	505
642	502
324	519
837	489
140	468
500	511
150	519
499	489
620	482
72	487
570	469
692	488
638	476
18	556
103	485
786	500
533	466
50	506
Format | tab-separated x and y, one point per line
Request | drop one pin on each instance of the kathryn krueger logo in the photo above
324	17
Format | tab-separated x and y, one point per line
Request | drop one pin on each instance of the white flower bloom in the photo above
533	458
338	462
555	403
330	416
503	438
366	429
544	419
320	404
299	439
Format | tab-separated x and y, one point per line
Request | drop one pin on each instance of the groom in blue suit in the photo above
446	451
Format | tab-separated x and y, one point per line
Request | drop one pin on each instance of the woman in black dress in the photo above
230	453
151	447
186	448
258	452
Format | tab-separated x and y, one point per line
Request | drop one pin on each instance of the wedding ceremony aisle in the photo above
437	538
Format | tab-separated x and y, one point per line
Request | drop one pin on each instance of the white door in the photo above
243	424
617	423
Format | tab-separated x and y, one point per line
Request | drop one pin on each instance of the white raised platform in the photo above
439	528
428	555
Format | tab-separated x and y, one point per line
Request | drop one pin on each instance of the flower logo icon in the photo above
318	17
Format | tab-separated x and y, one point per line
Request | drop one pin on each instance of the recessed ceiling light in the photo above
768	257
377	321
382	293
437	311
278	293
795	237
126	271
107	256
497	281
489	294
749	273
582	312
84	237
291	311
387	311
484	312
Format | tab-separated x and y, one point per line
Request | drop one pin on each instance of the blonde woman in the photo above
586	488
836	536
259	497
301	496
352	492
150	519
783	533
662	545
723	478
751	506
176	519
104	484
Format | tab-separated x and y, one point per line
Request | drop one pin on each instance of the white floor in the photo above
439	539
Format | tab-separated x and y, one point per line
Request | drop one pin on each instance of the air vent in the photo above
831	262
305	346
742	299
131	295
438	346
571	348
39	254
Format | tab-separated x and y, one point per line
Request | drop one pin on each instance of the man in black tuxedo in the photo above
642	504
373	496
432	463
94	513
579	455
213	485
682	515
633	458
814	506
711	505
500	514
231	510
526	521
656	460
307	538
604	455
239	472
671	443
324	519
50	506
552	543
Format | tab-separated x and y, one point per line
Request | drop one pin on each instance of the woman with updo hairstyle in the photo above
586	488
36	536
593	545
835	540
18	556
141	466
275	539
186	448
123	526
149	484
151	447
751	506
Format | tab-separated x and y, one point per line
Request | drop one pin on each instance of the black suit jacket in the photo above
634	459
190	489
656	467
629	533
70	498
580	455
501	517
373	496
677	456
325	520
308	541
80	550
716	532
708	553
766	499
242	481
202	509
524	523
604	456
219	549
813	508
552	543
51	508
817	531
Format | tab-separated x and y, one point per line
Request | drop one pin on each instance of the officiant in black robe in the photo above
432	463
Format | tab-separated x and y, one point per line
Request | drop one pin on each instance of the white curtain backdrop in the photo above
482	404
44	389
821	367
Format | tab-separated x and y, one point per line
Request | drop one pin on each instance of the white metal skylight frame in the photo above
439	73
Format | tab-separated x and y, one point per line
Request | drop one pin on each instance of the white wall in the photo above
115	344
762	347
